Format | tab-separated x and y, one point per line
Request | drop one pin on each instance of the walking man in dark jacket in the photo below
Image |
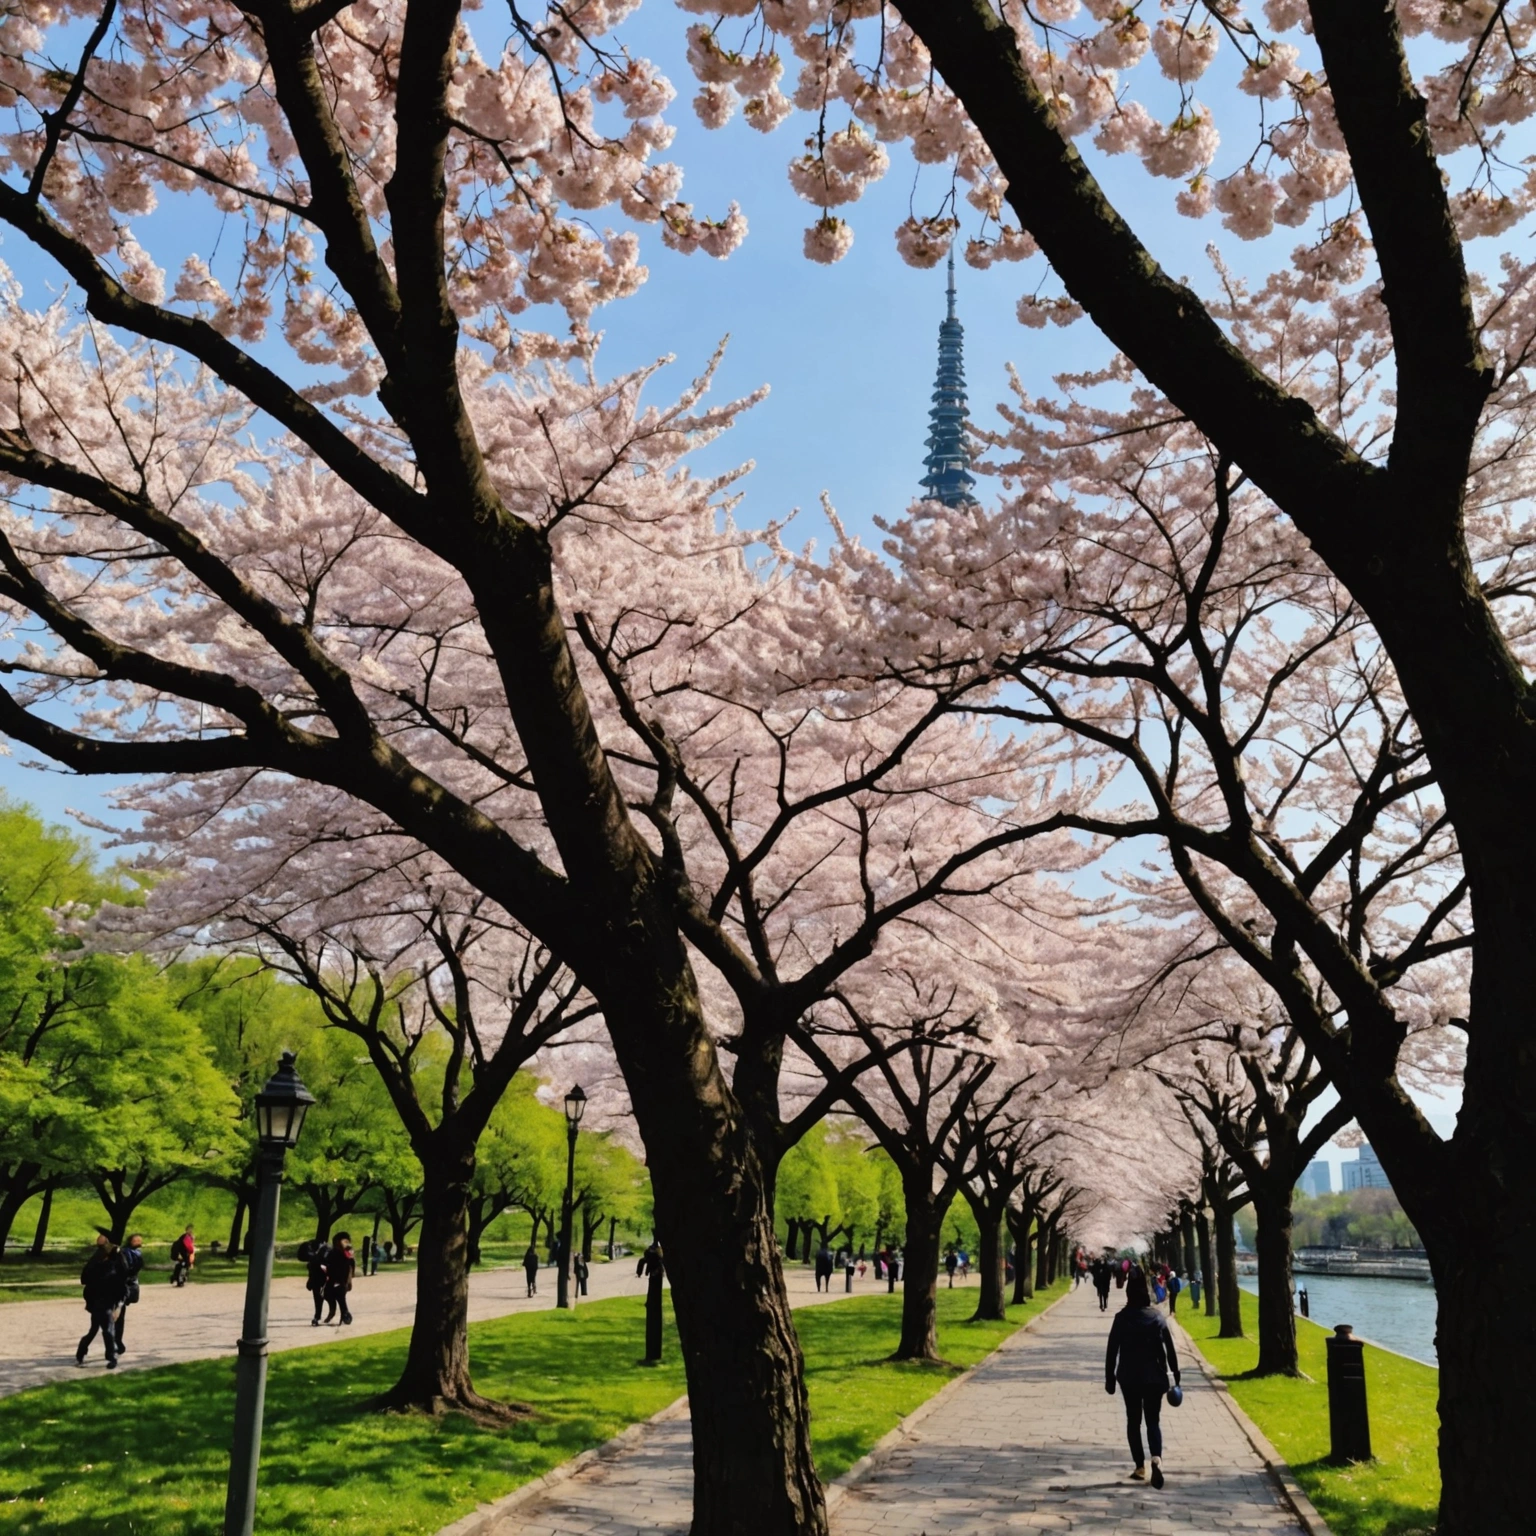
105	1281
132	1256
318	1256
1139	1357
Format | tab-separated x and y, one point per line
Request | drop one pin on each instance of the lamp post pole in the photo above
575	1107
280	1111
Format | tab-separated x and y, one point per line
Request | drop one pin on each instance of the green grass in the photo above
146	1452
1398	1493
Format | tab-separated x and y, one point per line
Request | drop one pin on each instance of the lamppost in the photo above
280	1110
575	1108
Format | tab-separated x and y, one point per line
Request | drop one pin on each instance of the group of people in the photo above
111	1283
956	1259
332	1268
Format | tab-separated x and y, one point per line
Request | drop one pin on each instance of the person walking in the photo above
951	1264
133	1262
531	1268
1175	1285
849	1265
1101	1279
892	1269
105	1282
579	1270
823	1266
317	1256
339	1270
1139	1356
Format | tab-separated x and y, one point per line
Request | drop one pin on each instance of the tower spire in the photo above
949	456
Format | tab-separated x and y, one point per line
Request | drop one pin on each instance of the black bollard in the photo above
1349	1419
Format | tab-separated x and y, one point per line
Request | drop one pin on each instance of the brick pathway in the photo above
1029	1443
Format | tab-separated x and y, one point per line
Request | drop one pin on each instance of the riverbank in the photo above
1396	1314
1398	1493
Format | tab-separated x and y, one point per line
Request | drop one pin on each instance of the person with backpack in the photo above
531	1268
105	1280
951	1264
183	1257
1174	1285
1139	1356
133	1261
316	1255
340	1267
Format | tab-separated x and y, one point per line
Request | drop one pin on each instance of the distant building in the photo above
1366	1172
1317	1179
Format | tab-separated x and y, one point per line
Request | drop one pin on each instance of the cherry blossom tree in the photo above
1395	132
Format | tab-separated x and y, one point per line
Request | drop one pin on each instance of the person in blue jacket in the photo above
1140	1356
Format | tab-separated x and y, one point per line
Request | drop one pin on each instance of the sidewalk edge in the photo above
840	1487
1279	1469
479	1520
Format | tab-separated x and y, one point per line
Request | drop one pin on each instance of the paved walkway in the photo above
201	1321
1028	1443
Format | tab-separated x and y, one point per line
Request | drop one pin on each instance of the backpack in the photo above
317	1273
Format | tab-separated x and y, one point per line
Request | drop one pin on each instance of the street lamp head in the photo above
575	1106
281	1107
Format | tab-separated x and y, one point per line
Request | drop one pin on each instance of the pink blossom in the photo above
828	240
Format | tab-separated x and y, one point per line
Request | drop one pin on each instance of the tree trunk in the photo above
1277	1309
1187	1233
436	1376
1024	1260
613	1227
237	1226
44	1215
1043	1240
992	1304
19	1188
920	1269
1207	1262
589	1226
1229	1301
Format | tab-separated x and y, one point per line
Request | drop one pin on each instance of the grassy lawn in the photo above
1398	1493
147	1452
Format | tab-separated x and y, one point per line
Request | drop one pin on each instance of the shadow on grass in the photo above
147	1452
1370	1514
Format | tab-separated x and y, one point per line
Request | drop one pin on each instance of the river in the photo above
1399	1314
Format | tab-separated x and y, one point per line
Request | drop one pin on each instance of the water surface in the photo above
1398	1314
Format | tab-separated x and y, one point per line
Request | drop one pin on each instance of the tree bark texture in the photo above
1229	1301
44	1215
20	1187
1207	1262
992	1303
237	1225
1277	1302
436	1375
920	1269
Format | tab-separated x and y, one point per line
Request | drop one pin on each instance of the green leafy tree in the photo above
249	1016
150	1105
46	986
